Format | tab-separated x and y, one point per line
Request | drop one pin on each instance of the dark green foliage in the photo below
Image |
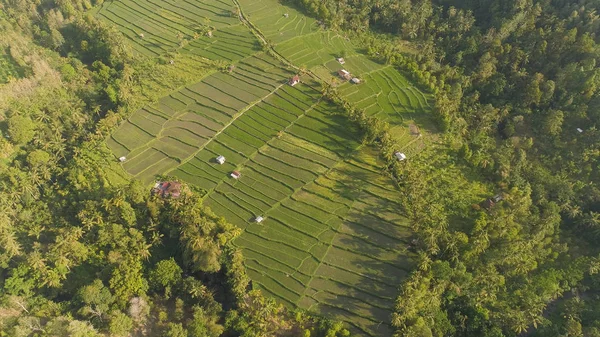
165	275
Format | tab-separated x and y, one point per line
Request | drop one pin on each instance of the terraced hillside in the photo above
207	28
383	91
332	239
158	138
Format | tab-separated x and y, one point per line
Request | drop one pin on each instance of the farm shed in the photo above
167	189
259	219
580	130
294	80
400	156
122	159
344	74
355	80
221	160
235	174
341	60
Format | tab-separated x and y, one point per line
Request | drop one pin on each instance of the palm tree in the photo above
591	221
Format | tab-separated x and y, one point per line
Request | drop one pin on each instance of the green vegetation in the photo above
295	152
207	28
447	187
515	86
8	68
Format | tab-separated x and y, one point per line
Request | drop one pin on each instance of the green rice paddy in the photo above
154	27
333	240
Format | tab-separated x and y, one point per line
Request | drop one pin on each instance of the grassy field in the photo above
333	240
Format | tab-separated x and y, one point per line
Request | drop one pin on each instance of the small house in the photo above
400	156
294	80
122	159
141	35
580	130
286	15
235	175
167	189
341	60
209	33
171	62
355	80
344	74
221	160
259	219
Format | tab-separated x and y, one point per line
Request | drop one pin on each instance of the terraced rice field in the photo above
156	26
333	240
158	138
383	92
270	17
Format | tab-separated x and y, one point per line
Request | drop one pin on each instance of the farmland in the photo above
157	138
332	241
205	28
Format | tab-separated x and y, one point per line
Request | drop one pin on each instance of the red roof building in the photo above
167	189
294	80
344	74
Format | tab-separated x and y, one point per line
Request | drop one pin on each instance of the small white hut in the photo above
400	156
122	159
259	219
355	80
221	160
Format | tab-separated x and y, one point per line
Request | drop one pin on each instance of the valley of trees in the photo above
85	252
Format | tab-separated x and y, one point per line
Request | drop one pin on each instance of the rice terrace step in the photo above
331	237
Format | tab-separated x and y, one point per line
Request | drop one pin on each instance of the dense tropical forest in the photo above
87	250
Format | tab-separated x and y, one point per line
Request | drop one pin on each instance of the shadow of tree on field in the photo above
374	255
